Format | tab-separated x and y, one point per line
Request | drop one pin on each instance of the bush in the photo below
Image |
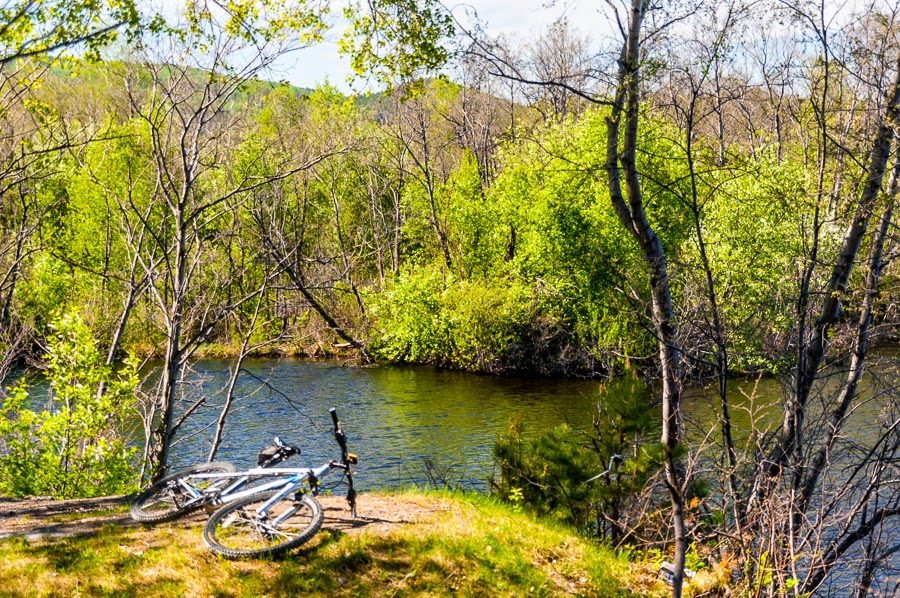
423	319
500	326
75	447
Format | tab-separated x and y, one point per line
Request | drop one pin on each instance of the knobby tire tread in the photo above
209	536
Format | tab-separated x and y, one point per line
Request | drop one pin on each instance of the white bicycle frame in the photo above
299	475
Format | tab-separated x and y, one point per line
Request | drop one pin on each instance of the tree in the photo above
34	34
183	92
298	220
621	167
562	60
47	28
625	191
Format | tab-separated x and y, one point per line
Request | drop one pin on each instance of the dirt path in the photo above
44	519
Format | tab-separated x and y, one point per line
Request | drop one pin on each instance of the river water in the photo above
399	418
395	418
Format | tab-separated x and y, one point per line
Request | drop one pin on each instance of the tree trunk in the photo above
162	435
174	357
634	219
859	347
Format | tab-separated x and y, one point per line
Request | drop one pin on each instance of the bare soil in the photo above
45	519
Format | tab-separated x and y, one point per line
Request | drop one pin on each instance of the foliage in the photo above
75	446
257	25
44	27
422	318
540	249
584	478
396	39
752	220
502	326
541	279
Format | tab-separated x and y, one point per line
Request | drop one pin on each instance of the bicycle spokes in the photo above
252	527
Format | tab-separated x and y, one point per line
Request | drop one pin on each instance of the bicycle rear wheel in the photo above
238	530
167	499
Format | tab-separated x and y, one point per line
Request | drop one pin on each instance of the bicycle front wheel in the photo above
167	499
239	530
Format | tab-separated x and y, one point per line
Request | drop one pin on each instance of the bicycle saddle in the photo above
276	453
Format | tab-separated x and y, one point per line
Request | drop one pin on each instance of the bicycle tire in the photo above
160	502
236	531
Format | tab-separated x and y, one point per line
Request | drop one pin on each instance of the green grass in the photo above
473	546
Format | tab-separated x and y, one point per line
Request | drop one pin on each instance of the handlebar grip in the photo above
339	434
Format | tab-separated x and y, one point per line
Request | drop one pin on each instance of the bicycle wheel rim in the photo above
167	499
239	530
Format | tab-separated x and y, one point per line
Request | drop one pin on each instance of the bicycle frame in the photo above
297	476
315	474
216	484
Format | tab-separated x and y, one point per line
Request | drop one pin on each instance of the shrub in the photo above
498	326
75	446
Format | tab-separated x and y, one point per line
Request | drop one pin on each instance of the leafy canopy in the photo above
32	28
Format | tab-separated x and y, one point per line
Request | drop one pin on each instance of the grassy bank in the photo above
467	546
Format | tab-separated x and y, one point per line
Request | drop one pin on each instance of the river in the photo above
397	417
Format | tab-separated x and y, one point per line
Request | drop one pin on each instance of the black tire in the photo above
166	500
237	531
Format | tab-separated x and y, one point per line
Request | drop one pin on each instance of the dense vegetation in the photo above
320	222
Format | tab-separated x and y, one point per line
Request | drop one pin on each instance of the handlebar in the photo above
339	434
347	459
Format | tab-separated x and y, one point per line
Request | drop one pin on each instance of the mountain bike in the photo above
256	515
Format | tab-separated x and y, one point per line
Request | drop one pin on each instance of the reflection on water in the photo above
395	417
756	404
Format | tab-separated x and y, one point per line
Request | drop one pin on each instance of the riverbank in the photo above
402	545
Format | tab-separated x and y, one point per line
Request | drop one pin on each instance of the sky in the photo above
516	18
